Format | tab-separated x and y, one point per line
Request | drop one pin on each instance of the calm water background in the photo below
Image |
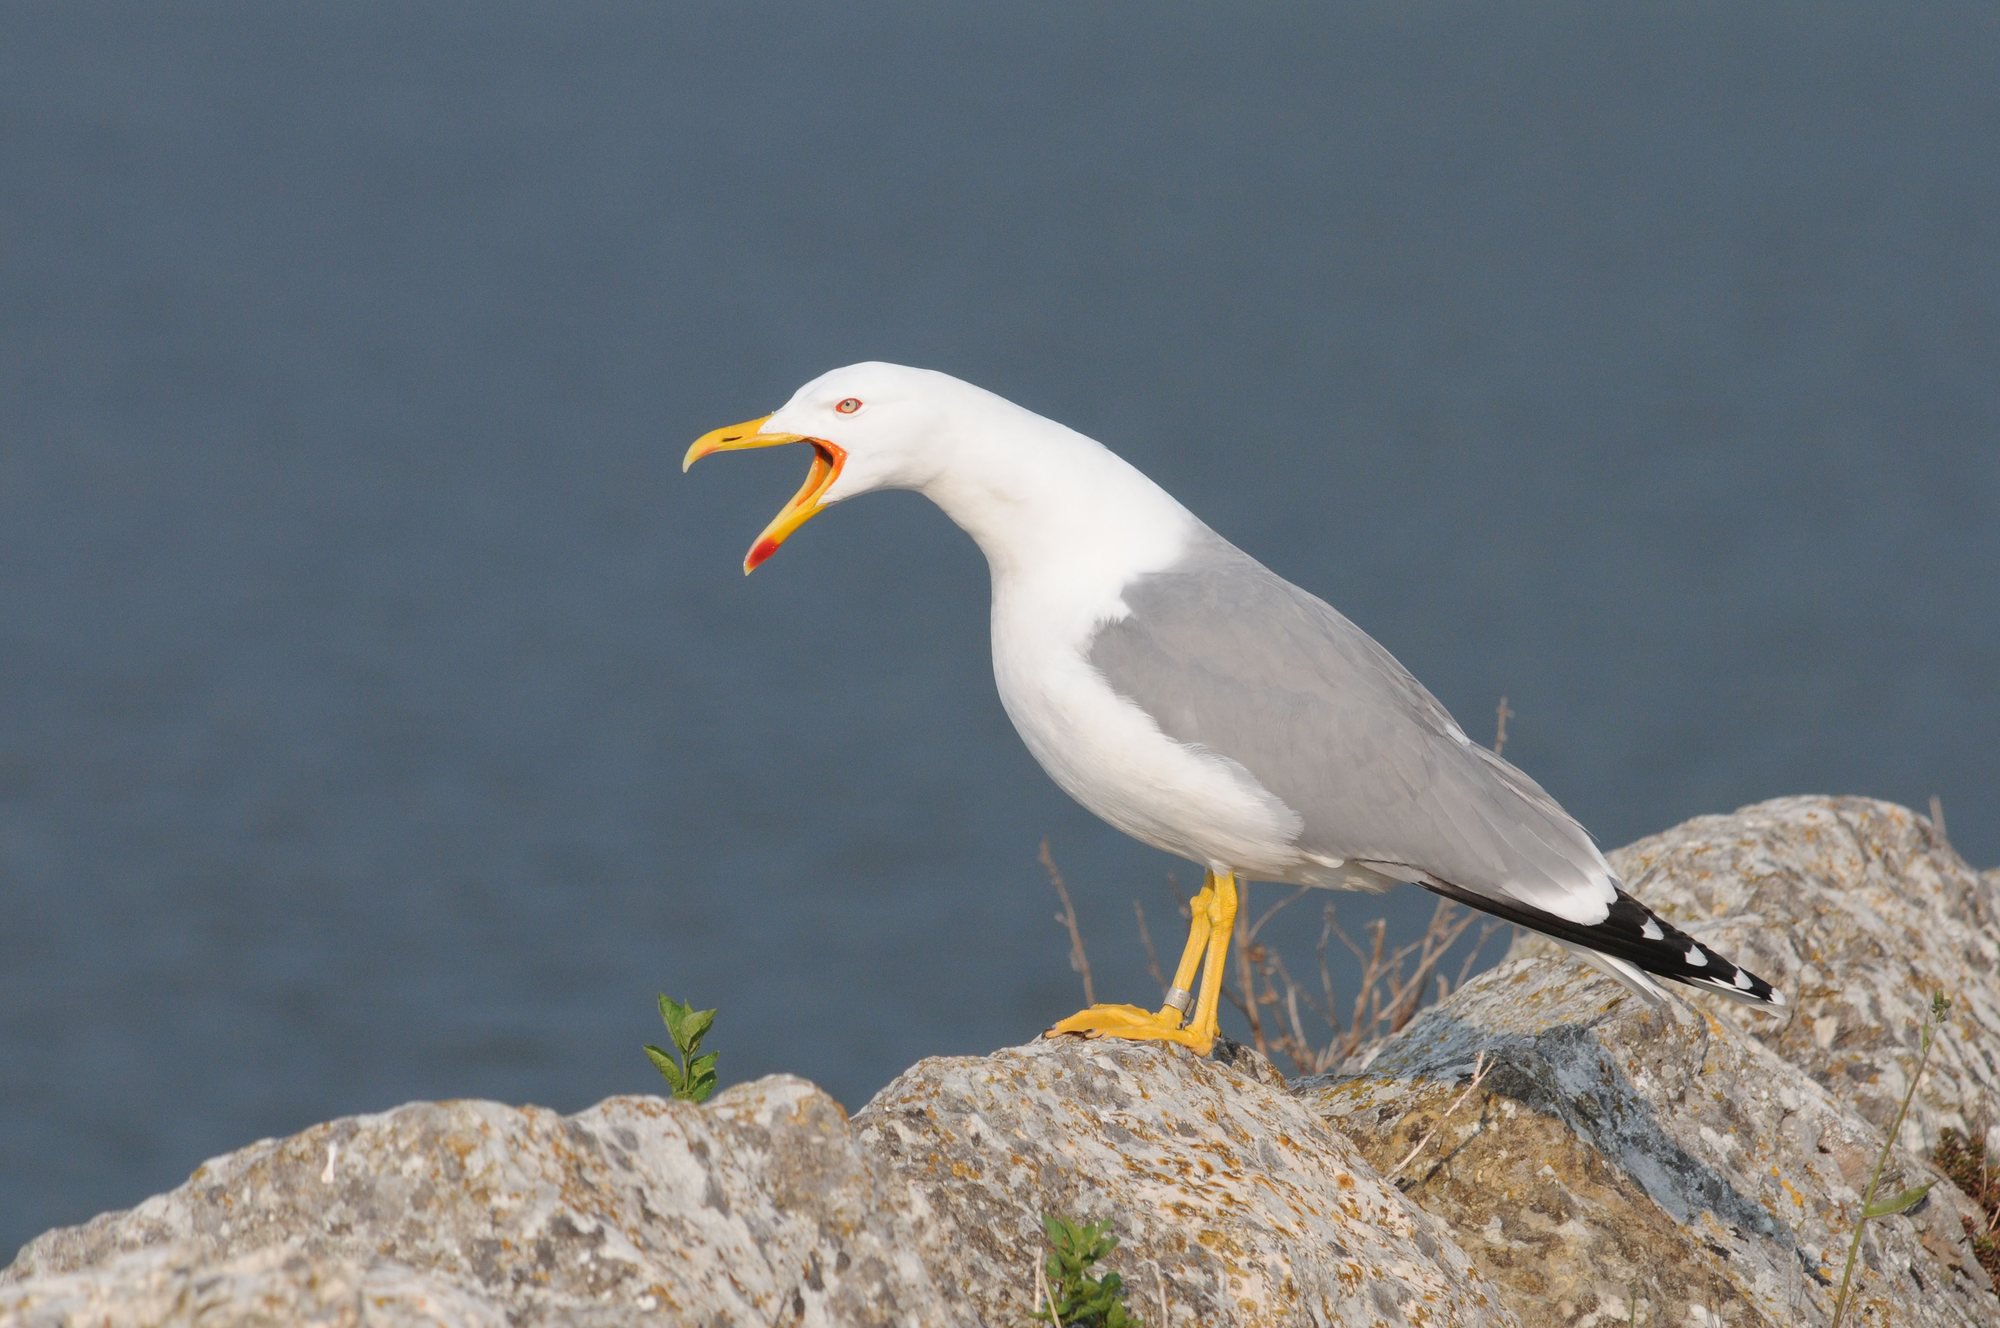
382	716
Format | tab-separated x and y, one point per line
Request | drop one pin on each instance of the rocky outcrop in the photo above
1235	1205
757	1208
1611	1164
1616	1161
767	1206
1705	1163
1603	1129
1866	911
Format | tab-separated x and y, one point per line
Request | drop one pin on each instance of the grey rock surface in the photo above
758	1208
1862	911
1234	1203
1617	1160
1692	1165
1707	1161
767	1207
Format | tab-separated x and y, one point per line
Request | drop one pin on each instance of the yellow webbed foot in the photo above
1136	1025
1212	917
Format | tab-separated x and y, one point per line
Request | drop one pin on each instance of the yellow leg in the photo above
1197	941
1213	918
1221	926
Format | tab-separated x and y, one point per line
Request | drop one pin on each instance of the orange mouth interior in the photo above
826	464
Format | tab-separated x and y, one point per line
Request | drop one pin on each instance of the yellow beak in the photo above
827	461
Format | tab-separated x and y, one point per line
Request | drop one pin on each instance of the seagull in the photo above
1203	704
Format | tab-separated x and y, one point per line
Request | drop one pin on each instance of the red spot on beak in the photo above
759	551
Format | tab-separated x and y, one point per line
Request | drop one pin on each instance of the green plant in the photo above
693	1078
1871	1207
1069	1294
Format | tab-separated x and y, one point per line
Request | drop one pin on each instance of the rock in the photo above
767	1207
1618	1160
1707	1160
1612	1163
1860	911
276	1286
1233	1203
759	1208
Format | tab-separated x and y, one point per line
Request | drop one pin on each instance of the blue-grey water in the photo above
383	716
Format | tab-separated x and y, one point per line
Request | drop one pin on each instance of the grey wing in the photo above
1225	654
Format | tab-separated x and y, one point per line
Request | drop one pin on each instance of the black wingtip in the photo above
1634	933
1645	938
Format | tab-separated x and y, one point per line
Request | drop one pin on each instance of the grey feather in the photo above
1226	655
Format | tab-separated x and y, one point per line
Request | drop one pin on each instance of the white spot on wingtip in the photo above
1742	980
1696	959
1651	931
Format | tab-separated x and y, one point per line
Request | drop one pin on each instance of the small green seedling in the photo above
693	1078
1889	1205
1073	1297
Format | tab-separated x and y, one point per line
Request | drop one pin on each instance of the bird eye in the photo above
849	405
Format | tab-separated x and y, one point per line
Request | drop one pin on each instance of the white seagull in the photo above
1201	703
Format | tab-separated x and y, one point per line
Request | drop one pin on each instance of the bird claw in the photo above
1133	1024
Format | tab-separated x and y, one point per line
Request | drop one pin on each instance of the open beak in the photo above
827	461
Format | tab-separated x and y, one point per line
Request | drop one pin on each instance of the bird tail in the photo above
1634	945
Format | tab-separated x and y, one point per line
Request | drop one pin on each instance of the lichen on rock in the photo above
1705	1160
1866	911
1694	1164
1234	1204
1619	1159
758	1208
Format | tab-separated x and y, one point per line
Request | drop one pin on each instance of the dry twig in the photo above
1390	991
1160	1282
1479	1069
1079	960
1044	1295
1152	955
1246	975
1938	837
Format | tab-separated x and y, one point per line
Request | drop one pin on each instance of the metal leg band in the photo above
1180	998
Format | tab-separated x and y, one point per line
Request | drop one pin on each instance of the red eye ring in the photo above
849	405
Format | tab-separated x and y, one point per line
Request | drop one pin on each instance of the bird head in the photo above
870	426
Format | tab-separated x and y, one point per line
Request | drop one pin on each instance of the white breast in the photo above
1107	754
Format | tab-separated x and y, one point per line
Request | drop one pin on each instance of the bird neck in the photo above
1046	501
